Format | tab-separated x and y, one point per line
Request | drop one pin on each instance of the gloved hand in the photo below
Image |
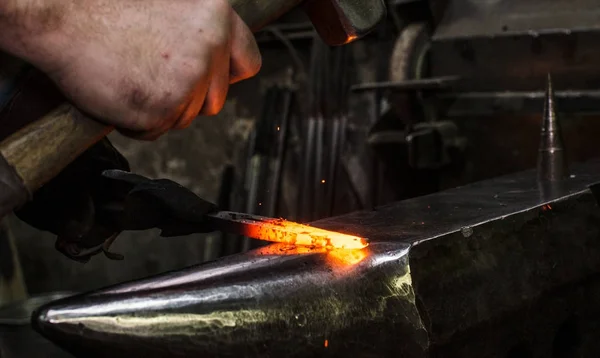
71	206
158	203
90	203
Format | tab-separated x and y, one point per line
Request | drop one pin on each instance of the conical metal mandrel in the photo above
552	162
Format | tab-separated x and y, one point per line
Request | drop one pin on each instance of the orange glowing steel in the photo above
289	250
279	230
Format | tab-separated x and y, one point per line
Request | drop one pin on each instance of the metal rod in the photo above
227	242
258	166
407	85
318	181
279	157
304	195
340	73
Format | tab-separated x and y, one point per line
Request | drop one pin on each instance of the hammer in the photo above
37	153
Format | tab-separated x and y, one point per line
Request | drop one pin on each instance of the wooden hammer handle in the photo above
41	150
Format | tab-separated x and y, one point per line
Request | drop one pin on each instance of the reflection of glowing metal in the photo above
279	230
347	257
336	257
175	324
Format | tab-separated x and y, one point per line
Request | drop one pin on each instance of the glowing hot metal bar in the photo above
283	231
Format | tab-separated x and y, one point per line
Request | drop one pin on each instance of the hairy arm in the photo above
30	28
145	66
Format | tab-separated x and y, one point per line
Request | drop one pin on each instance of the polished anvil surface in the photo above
502	268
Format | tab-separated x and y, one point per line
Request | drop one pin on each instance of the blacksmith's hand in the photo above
143	66
158	203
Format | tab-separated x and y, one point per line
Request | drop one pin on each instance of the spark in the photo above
546	207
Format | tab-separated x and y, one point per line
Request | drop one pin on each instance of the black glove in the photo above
158	203
90	203
71	205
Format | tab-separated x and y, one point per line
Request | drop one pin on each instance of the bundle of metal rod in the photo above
310	161
228	243
324	131
339	122
266	154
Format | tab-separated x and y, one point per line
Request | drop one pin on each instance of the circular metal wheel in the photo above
409	61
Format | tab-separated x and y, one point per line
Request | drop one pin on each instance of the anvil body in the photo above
502	268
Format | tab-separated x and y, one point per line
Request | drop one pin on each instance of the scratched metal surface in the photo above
487	270
427	217
273	302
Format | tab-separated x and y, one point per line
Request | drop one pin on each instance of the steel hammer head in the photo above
338	22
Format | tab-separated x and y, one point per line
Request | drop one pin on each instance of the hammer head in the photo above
339	22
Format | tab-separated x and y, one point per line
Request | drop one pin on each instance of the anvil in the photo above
500	268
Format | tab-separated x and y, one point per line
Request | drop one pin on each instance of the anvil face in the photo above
449	274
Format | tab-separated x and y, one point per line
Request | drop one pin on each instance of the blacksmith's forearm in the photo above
29	27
